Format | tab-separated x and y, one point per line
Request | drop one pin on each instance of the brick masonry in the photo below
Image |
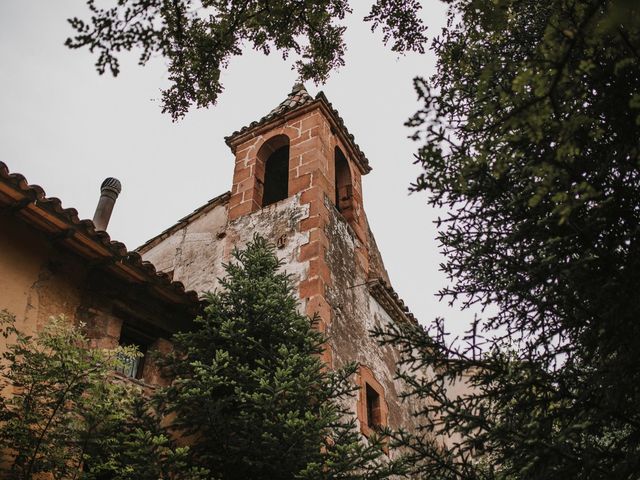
311	175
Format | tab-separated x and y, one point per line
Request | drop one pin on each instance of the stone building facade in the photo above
298	182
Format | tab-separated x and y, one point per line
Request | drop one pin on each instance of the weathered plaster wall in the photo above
196	252
39	279
355	313
36	280
280	224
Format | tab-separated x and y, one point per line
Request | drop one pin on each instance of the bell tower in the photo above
300	145
301	149
297	181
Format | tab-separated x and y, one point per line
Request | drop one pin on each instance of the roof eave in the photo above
80	237
389	300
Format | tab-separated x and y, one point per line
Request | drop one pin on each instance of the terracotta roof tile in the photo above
386	296
298	97
53	218
364	160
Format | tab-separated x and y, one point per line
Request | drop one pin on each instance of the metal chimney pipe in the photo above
109	191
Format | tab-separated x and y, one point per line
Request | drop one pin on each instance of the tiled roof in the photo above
364	162
30	203
386	296
299	98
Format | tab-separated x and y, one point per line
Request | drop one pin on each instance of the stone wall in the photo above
195	252
355	314
332	256
352	310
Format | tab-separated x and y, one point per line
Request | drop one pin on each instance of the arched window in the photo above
344	186
275	157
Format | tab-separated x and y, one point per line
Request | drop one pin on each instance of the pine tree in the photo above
250	393
137	447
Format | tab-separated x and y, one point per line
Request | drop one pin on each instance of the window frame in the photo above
367	381
133	337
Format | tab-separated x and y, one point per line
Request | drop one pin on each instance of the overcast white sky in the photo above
66	128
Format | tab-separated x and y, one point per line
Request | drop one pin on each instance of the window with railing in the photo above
133	366
130	366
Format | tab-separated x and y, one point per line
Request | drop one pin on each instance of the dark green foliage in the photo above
61	397
250	392
138	448
531	128
63	413
199	38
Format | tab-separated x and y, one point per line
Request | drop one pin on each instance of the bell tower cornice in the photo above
298	103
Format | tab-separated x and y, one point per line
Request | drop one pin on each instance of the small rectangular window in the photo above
133	367
374	418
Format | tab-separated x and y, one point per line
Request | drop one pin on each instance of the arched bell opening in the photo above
274	156
344	186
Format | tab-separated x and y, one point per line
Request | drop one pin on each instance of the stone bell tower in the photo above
301	149
298	182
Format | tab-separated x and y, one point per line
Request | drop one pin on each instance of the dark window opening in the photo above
133	367
276	176
344	186
374	417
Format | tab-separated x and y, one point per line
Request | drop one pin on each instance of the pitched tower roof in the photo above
298	97
297	102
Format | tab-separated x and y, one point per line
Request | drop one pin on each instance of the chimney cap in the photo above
112	185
